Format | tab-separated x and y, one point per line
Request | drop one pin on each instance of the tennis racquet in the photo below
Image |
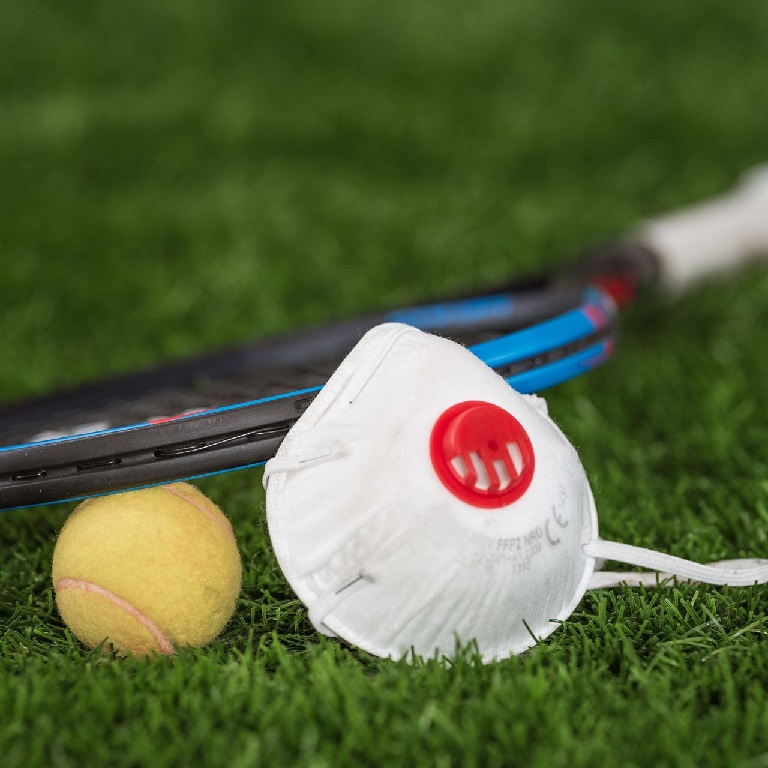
231	409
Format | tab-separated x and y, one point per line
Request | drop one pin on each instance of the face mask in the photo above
420	502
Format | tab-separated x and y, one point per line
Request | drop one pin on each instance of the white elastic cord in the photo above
668	566
603	579
321	607
302	458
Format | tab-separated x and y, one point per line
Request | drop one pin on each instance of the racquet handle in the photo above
713	237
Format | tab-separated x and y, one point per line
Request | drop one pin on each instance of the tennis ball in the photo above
147	570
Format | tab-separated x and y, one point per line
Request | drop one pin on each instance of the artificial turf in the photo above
180	176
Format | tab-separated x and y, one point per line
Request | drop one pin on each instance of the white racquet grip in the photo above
713	237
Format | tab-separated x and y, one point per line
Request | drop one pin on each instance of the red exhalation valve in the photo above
482	454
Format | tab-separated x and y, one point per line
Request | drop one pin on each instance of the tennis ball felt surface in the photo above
147	570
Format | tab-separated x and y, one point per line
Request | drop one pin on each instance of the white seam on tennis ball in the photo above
165	645
222	523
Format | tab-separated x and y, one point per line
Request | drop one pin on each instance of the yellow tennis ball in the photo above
147	570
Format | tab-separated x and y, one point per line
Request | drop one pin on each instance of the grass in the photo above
182	176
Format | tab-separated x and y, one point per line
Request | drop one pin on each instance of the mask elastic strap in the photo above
326	603
302	458
733	573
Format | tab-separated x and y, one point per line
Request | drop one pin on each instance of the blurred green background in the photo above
178	177
184	175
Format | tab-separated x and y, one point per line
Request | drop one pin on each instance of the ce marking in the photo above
560	522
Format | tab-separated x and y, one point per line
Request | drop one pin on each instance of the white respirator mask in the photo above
420	502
